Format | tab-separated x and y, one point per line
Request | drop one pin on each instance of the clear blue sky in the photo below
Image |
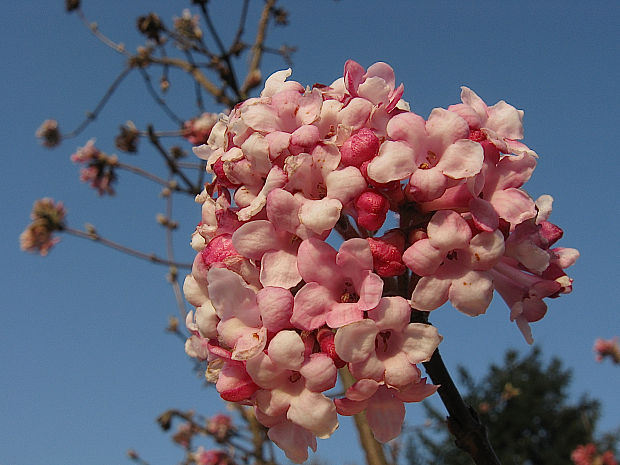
84	360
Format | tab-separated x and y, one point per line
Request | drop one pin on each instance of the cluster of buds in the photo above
588	455
46	217
607	348
279	310
203	456
98	168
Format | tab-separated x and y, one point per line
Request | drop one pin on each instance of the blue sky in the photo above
86	365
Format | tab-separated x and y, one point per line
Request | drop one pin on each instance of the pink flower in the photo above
339	287
384	406
607	348
454	264
211	457
47	217
385	346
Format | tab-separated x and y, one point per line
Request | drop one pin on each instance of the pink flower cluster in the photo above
279	310
98	168
588	455
607	348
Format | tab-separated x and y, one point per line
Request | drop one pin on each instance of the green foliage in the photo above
525	406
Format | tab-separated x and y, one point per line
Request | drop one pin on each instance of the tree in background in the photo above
524	403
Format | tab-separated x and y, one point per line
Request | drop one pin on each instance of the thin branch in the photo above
152	177
230	77
197	88
160	101
203	80
92	27
173	273
121	248
242	21
170	161
257	48
463	421
91	116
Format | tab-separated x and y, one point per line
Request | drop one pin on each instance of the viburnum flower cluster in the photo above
280	308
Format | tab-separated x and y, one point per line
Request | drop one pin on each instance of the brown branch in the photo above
145	174
160	101
92	27
463	421
92	115
170	161
203	80
257	50
93	236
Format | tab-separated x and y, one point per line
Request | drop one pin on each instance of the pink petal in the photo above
399	371
286	349
471	293
385	415
234	384
345	184
362	390
349	407
353	76
315	412
276	307
462	159
355	342
293	440
317	262
484	215
282	210
320	215
447	231
370	291
417	392
342	313
506	120
430	293
312	302
420	341
391	313
279	269
355	114
266	373
445	128
319	372
514	205
485	249
469	97
253	239
396	161
250	344
231	296
410	128
422	258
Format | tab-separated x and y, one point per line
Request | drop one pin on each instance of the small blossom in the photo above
605	348
220	426
47	217
198	130
127	139
49	133
187	25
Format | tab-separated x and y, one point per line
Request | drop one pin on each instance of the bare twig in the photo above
198	75
257	49
121	248
170	161
92	27
91	116
160	101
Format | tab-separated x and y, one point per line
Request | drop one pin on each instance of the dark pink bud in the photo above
325	338
387	253
550	232
360	147
218	169
372	209
219	250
